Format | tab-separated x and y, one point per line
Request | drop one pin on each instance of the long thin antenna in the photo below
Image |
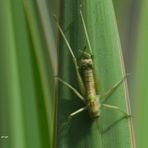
62	33
86	33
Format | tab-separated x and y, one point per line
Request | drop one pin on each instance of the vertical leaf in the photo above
141	79
26	88
111	129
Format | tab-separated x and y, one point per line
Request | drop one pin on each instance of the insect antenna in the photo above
64	37
86	33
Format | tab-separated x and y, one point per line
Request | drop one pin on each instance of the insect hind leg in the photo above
77	112
116	108
109	92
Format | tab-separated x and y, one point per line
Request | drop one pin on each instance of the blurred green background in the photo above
29	62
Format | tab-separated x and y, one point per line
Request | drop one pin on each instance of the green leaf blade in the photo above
111	129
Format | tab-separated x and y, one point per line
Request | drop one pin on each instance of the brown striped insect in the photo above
87	82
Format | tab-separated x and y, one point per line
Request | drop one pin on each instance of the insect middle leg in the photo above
105	95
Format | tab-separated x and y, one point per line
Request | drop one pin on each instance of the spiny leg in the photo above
116	108
86	33
77	112
72	88
81	84
111	90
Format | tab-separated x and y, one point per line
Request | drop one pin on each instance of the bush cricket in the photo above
86	79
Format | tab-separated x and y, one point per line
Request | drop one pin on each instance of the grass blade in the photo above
26	104
139	91
111	130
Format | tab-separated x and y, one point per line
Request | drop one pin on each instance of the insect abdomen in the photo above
94	108
89	84
89	81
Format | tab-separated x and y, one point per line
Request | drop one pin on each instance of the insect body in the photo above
85	74
92	101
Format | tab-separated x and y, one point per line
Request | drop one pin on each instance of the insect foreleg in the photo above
116	108
81	84
111	90
77	112
85	54
72	88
